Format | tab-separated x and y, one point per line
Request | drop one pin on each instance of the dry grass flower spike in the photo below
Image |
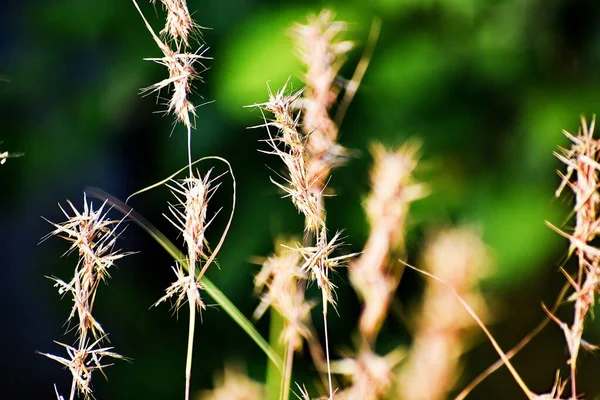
93	236
582	178
180	64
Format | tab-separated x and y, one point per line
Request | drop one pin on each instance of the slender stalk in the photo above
327	346
188	362
189	143
286	376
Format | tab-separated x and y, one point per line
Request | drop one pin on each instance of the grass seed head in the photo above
582	178
93	236
289	145
179	25
375	275
279	281
83	361
318	262
189	212
393	189
181	66
322	52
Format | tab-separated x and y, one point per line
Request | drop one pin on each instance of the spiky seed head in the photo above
83	361
278	282
318	262
179	25
298	185
93	235
181	67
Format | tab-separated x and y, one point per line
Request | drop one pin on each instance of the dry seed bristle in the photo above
181	74
323	53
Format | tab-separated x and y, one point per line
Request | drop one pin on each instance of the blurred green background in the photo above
487	87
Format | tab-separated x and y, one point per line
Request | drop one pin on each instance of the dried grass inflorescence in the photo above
189	216
234	384
459	258
93	236
583	167
371	376
181	64
179	25
309	152
318	263
289	145
323	53
278	285
375	275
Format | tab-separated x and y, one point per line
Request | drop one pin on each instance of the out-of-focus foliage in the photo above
486	86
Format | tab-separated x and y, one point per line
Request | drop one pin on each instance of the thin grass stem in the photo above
327	345
190	350
286	376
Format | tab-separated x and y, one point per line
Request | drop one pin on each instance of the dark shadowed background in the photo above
486	86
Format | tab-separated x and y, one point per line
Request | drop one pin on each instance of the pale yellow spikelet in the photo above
393	189
185	288
188	214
